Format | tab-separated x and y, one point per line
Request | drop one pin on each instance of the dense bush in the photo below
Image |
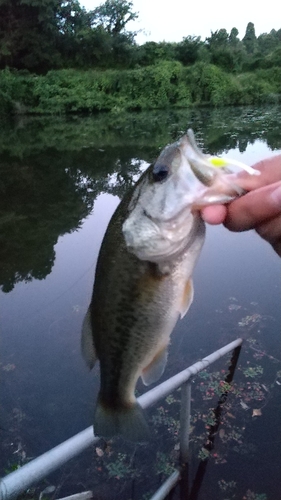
15	89
167	84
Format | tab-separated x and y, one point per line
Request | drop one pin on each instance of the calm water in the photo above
60	182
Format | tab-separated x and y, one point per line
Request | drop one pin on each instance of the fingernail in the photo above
276	196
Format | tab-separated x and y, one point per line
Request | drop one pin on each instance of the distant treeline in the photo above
53	34
57	57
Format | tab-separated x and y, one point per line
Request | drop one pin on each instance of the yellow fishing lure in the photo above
219	162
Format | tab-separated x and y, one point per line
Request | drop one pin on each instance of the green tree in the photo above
93	48
74	34
268	42
233	38
187	50
237	50
71	18
48	34
250	39
218	45
226	50
114	15
218	39
109	23
152	53
28	34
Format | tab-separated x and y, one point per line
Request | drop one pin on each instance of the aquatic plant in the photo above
120	467
164	465
247	399
250	495
227	485
162	418
253	371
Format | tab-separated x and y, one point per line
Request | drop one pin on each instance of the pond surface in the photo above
60	181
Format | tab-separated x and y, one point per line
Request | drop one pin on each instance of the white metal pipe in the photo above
18	481
167	387
167	486
85	495
21	479
185	421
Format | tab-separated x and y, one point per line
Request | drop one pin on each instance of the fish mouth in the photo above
216	182
220	184
214	172
222	191
203	171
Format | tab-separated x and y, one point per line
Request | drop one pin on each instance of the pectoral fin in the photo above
87	342
152	372
187	298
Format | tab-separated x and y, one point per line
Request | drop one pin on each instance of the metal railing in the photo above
20	480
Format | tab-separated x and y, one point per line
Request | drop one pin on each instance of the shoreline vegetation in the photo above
166	84
57	58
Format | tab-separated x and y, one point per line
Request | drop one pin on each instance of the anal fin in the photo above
152	372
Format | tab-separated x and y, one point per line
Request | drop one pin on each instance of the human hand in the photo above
259	209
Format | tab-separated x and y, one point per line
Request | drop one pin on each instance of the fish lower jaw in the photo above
163	261
165	254
223	191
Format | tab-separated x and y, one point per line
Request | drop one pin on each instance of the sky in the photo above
172	20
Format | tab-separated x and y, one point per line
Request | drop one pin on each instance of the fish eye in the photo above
160	172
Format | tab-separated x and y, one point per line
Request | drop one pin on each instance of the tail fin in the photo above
128	422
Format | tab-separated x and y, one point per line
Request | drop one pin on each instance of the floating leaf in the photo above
230	414
244	406
48	489
99	452
234	307
225	486
256	412
203	454
221	433
9	367
248	320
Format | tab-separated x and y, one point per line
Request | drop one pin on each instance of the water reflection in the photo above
60	181
52	171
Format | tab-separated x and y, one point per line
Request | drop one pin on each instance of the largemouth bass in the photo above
143	281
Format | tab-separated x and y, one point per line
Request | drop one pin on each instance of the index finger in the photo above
270	172
254	208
